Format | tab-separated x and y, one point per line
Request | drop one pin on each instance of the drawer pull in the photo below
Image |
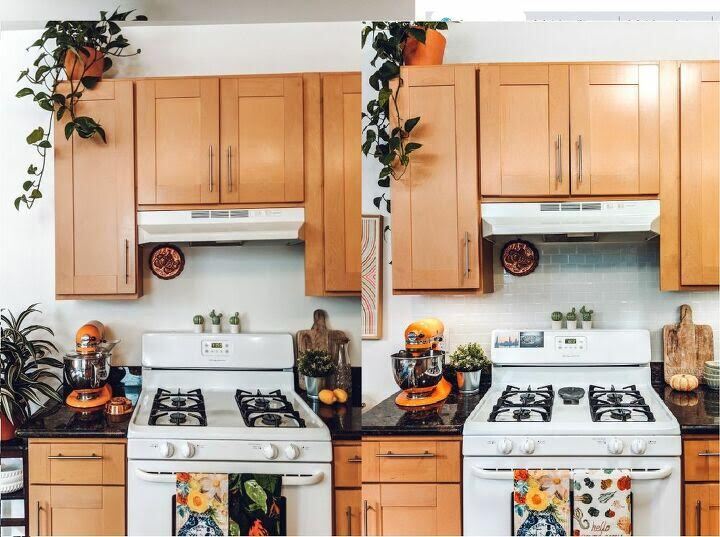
391	455
698	517
60	456
355	459
348	515
708	454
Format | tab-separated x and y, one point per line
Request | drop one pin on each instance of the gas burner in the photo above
571	395
618	404
272	420
528	404
501	414
271	409
521	414
284	419
178	408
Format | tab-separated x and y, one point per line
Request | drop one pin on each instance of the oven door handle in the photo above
289	480
638	475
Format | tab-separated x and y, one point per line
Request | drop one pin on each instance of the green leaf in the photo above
417	33
32	170
411	146
90	81
69	128
35	136
18	201
24	92
45	144
410	123
35	194
101	132
23	73
384	183
27	185
384	96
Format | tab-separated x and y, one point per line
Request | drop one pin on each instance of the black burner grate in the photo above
517	404
624	404
270	409
178	408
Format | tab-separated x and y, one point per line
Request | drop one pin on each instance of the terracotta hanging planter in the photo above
90	65
429	53
7	429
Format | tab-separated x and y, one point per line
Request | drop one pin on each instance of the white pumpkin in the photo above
684	383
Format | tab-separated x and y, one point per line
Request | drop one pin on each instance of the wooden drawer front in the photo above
422	461
77	464
347	463
77	510
347	512
420	509
702	509
702	460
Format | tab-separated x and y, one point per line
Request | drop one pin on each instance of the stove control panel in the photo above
208	450
570	343
216	347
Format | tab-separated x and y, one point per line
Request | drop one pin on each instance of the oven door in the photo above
151	486
488	486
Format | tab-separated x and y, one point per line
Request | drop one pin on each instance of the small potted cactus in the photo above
234	321
586	318
215	321
556	320
199	322
571	318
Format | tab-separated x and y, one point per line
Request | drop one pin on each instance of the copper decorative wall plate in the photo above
519	257
167	261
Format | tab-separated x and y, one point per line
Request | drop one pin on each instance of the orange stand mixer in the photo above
418	369
86	370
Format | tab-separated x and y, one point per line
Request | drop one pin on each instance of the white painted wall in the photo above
471	318
266	284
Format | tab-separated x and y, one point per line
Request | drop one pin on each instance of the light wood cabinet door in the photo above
342	186
261	133
435	213
702	509
524	129
615	132
699	173
77	510
177	141
347	511
95	243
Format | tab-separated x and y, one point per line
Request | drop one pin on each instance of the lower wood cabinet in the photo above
411	486
701	489
347	461
77	487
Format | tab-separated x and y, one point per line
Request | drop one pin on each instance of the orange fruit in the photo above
327	397
341	395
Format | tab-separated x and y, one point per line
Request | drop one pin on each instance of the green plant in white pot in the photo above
215	319
234	321
315	366
469	361
586	318
199	323
557	318
571	319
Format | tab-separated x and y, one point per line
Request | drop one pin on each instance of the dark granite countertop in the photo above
698	412
64	422
343	420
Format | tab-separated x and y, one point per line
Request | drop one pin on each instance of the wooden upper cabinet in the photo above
177	141
435	203
699	173
524	129
95	236
614	126
342	181
261	139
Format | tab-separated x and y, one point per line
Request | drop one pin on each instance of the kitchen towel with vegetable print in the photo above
602	502
541	502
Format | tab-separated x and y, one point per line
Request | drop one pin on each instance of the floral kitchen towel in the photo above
256	507
602	502
201	504
541	502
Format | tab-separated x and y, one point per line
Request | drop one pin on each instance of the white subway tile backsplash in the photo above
619	281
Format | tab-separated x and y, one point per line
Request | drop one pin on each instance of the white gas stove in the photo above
225	403
571	399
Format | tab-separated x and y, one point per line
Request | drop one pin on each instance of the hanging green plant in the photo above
78	52
389	146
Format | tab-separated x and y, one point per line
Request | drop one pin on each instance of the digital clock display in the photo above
216	345
570	341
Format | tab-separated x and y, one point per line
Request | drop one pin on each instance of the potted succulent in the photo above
215	321
199	322
234	321
72	57
586	318
315	366
27	371
571	318
556	320
469	361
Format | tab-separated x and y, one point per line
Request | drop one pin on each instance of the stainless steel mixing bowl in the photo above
418	375
86	372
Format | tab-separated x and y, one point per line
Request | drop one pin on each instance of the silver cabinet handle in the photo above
348	514
391	455
558	159
127	250
355	459
211	168
366	508
708	454
37	513
580	159
698	517
229	164
60	456
467	254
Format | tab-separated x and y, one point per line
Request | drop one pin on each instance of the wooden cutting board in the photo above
686	346
319	337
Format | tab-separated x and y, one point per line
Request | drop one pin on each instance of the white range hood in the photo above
220	225
571	219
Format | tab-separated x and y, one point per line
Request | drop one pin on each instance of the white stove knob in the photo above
270	451
167	449
638	446
615	446
187	450
528	446
505	446
292	452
